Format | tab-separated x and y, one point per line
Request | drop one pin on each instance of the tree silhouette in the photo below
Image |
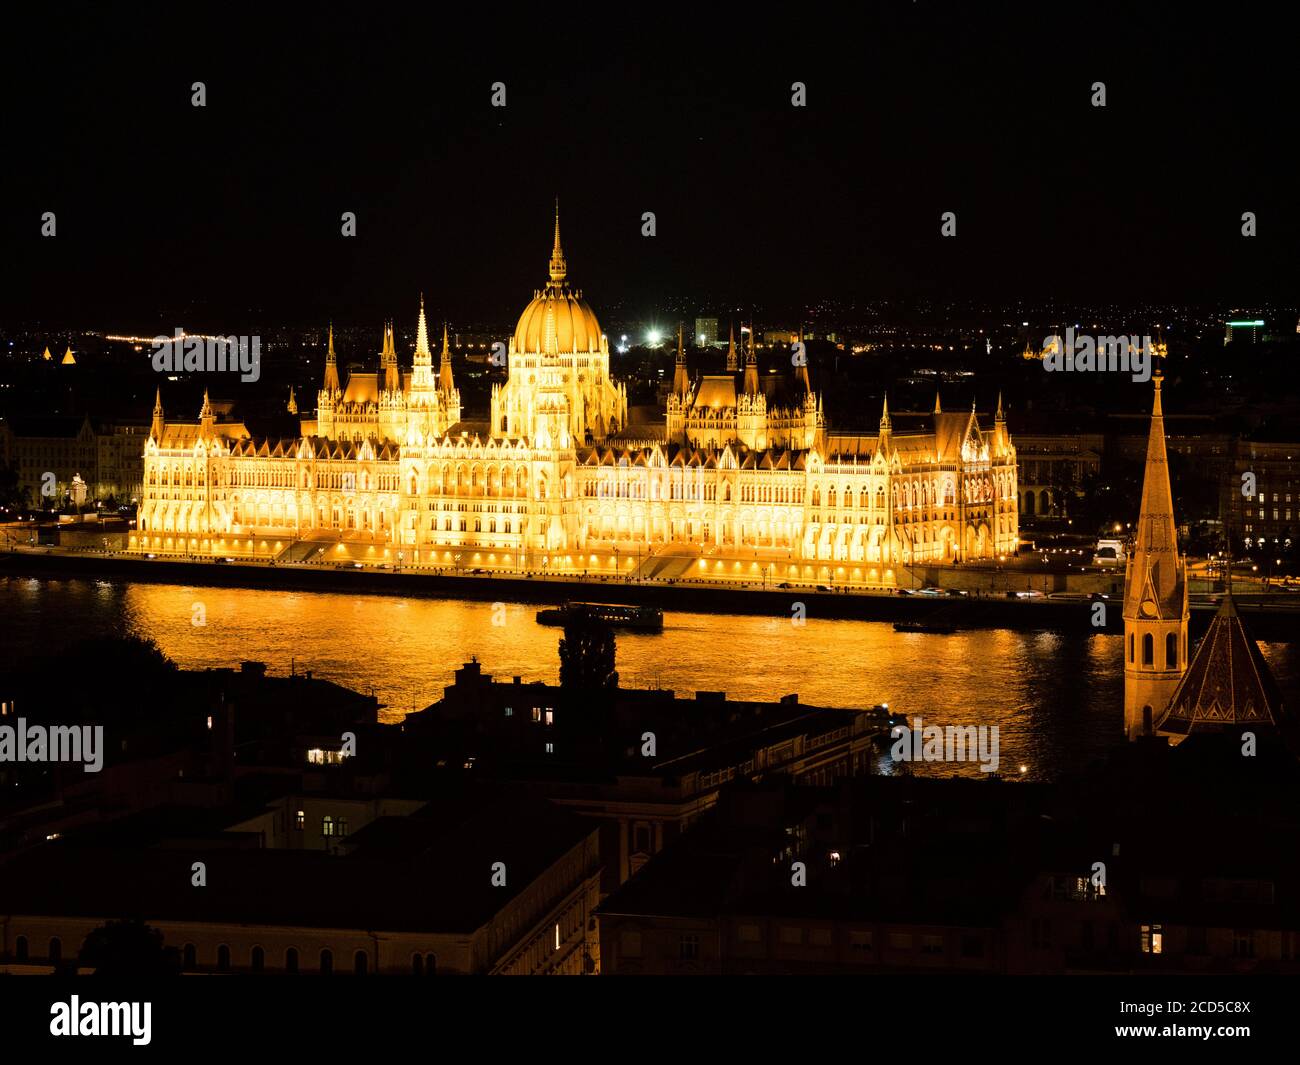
587	655
128	948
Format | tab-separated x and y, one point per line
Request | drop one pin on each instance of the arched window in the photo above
1171	651
1148	650
20	949
189	957
55	954
257	961
291	960
326	962
1131	641
417	964
223	958
431	965
360	961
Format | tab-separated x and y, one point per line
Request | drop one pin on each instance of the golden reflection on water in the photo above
406	650
1057	697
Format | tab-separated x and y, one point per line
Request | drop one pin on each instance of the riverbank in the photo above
1269	617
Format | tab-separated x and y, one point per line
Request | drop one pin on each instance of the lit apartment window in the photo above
509	712
557	937
209	721
300	820
932	944
550	748
688	948
537	713
860	939
1243	943
1153	939
790	935
749	933
900	940
548	717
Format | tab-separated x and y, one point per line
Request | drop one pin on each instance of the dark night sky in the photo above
913	110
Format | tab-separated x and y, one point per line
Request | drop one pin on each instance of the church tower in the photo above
1155	594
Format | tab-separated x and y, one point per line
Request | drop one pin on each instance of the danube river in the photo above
1056	697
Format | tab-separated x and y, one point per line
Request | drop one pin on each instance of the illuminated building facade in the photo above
742	469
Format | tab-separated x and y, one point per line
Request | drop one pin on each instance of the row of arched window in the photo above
1148	650
53	950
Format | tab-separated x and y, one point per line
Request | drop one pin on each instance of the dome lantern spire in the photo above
558	268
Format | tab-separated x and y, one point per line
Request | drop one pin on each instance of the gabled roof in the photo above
949	432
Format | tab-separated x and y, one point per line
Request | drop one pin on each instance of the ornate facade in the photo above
742	474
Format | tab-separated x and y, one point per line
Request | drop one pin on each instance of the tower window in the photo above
1171	651
1148	650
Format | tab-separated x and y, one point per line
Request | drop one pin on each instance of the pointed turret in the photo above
292	406
1000	438
388	361
444	364
938	408
886	425
159	422
331	365
751	367
732	365
681	380
422	335
801	367
1155	593
206	417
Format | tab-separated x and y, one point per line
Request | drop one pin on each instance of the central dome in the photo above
558	321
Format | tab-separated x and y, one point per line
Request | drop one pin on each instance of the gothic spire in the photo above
681	381
732	367
331	365
444	364
751	366
159	422
422	334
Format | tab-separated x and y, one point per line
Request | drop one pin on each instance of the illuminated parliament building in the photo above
741	474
